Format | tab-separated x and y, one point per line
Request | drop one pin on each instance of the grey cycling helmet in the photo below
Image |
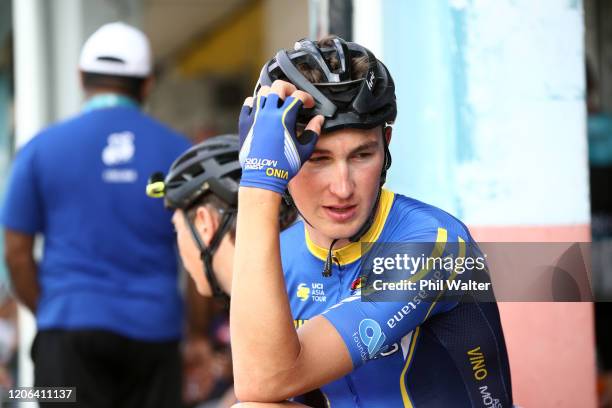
210	166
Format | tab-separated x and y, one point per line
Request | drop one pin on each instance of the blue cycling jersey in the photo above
432	354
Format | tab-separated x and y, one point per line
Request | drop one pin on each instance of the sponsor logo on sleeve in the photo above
477	361
372	336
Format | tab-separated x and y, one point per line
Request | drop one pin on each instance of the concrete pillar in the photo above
32	112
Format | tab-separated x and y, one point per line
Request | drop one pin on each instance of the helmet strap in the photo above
207	253
289	201
388	160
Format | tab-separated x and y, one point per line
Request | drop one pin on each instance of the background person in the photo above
105	293
8	339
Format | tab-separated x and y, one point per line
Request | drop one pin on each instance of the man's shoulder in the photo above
56	128
104	121
162	128
155	129
129	117
413	219
43	138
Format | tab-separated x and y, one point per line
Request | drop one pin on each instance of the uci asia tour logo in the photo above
315	292
303	292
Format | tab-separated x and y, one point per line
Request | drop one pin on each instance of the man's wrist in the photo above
264	184
258	196
262	204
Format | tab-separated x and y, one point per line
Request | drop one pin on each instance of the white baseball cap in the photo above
117	49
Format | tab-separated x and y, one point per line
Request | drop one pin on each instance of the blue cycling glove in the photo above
270	152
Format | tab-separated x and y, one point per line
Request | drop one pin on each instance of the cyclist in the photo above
317	133
202	189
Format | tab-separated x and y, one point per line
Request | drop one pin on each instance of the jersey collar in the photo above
352	252
108	100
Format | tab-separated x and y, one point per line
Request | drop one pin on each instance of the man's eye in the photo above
318	159
363	155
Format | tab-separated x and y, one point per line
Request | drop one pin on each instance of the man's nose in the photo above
341	183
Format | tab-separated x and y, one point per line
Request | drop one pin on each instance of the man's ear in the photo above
82	79
147	88
206	223
388	133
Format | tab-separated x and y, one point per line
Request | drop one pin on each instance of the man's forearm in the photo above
23	275
22	267
264	340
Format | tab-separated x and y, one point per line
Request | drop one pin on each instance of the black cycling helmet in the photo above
211	166
344	102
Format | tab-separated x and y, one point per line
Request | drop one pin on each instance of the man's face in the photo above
190	255
335	190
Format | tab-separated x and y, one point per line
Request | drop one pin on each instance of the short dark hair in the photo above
131	86
212	201
288	213
359	65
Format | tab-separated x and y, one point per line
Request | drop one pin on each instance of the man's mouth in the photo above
340	213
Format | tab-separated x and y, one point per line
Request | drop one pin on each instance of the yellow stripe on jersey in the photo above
440	244
441	239
452	277
438	250
404	390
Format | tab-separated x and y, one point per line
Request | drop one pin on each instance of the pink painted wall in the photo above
551	346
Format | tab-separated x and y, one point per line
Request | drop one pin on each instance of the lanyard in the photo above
108	100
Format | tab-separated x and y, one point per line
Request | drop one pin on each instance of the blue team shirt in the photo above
427	354
109	258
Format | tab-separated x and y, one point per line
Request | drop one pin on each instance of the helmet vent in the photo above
226	158
194	170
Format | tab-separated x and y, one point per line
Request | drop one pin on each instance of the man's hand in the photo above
199	379
271	152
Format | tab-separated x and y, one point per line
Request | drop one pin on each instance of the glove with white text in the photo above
271	154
